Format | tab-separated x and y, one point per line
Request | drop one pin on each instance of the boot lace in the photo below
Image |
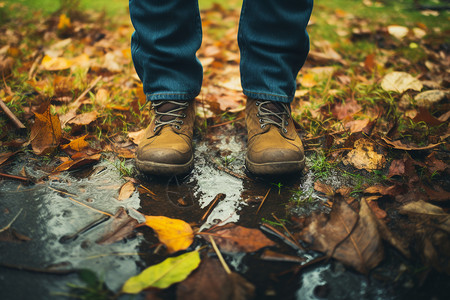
169	116
275	113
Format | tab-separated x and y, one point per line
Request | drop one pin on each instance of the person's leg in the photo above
167	36
274	45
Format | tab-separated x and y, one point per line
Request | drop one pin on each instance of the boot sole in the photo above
155	168
275	168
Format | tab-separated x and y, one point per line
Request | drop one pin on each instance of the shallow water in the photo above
63	232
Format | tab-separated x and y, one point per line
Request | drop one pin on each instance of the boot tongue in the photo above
166	107
275	107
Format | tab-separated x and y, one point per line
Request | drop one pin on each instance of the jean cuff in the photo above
171	96
268	96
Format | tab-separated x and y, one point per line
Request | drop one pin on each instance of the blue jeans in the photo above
272	39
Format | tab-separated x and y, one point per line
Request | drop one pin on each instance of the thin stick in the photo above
288	232
222	261
62	192
228	122
220	197
263	200
14	177
34	67
94	209
12	221
147	190
11	116
94	83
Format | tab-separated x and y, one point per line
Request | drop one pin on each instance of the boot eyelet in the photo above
181	122
258	115
177	127
286	123
260	120
263	125
183	115
284	130
257	103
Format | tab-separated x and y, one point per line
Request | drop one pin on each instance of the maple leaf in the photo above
46	132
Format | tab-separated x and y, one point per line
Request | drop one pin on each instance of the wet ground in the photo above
54	236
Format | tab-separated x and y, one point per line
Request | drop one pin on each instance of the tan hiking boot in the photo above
273	147
167	145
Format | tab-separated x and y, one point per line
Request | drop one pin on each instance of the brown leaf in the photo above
121	226
84	119
324	188
126	191
397	167
5	156
424	115
46	132
211	282
77	163
232	238
342	110
429	211
347	237
399	145
373	203
137	136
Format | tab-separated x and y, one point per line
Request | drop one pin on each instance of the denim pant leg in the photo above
274	44
167	35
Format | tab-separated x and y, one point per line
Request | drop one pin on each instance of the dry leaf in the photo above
399	145
398	31
121	226
363	156
77	144
46	133
55	63
354	240
79	162
175	234
137	136
126	191
400	82
232	238
84	119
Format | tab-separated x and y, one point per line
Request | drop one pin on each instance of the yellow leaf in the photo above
55	63
308	80
64	22
77	144
175	234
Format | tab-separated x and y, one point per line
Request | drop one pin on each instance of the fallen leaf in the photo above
363	156
232	238
46	132
399	145
77	163
354	240
400	82
398	31
308	81
137	136
429	98
211	282
373	203
430	211
397	167
55	63
77	145
324	188
346	109
84	119
121	226
175	234
5	156
161	276
126	191
424	115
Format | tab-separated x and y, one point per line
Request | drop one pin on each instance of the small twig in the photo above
62	192
263	200
37	270
270	229
34	66
14	177
94	209
226	123
288	232
11	116
12	221
94	83
218	198
147	190
219	255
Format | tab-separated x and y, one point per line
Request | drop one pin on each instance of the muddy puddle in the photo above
55	234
